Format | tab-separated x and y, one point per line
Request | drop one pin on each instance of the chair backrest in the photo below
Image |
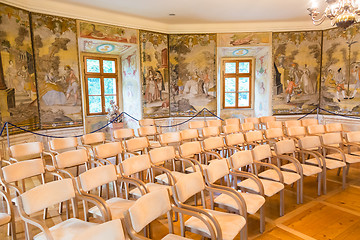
274	124
316	129
71	158
235	139
229	129
216	170
241	159
170	138
353	137
210	132
296	131
213	143
197	124
189	134
232	121
148	208
262	152
309	122
189	149
274	133
292	123
310	142
147	122
285	147
252	120
123	133
58	144
162	154
107	150
93	138
135	164
189	185
334	127
136	144
46	195
214	123
22	170
147	131
254	136
333	138
267	119
249	126
26	151
97	177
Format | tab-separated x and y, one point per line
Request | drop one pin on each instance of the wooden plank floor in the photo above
335	215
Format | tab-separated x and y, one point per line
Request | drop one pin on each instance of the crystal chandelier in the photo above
342	13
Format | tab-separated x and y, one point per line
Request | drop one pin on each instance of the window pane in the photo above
244	67
109	66
230	67
230	85
107	101
94	104
244	84
110	85
243	100
93	65
94	86
229	99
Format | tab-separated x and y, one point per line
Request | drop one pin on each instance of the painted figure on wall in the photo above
55	45
155	77
297	57
193	73
19	105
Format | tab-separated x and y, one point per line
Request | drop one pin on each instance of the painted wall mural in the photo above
131	88
57	71
192	73
107	32
103	47
154	74
19	99
341	71
244	39
297	61
262	82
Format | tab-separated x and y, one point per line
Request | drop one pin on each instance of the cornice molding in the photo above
112	18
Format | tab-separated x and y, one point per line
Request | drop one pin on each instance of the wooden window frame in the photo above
100	75
237	75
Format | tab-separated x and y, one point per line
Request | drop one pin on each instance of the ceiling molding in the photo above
107	17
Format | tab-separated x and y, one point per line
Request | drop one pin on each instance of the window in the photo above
237	87
101	81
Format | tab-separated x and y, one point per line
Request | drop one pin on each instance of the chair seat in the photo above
308	170
174	237
190	169
118	206
349	158
4	218
151	187
289	177
270	187
67	230
230	224
330	163
164	179
154	144
253	201
111	230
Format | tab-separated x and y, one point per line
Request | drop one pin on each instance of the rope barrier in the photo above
178	124
308	113
338	114
213	114
2	130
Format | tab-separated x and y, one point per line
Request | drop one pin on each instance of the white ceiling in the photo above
205	11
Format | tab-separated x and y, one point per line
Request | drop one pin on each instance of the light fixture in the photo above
342	13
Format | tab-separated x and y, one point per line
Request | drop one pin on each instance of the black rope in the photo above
308	113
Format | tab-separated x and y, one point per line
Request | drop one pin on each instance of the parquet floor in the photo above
335	215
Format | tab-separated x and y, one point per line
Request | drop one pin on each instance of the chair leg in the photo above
338	172
319	183
182	227
262	219
302	189
324	182
298	191
343	178
243	232
282	204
